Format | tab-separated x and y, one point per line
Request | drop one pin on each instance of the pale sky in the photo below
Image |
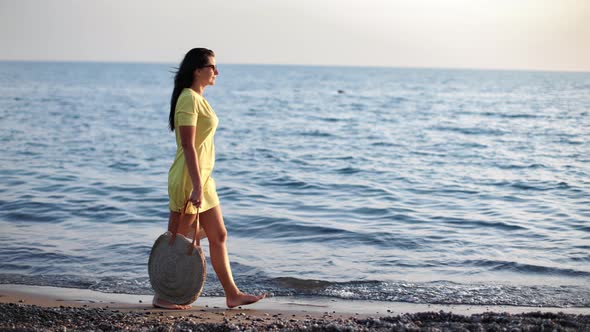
486	34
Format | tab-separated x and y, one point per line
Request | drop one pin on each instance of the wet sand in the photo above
51	308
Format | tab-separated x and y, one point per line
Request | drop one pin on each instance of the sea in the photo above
438	186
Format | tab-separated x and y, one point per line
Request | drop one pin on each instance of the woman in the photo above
189	178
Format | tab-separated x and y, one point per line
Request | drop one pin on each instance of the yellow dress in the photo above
193	110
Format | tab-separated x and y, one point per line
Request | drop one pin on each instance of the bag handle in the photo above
196	237
195	225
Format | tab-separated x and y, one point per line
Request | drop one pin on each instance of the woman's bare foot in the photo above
159	303
243	299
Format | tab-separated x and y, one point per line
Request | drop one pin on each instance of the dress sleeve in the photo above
186	111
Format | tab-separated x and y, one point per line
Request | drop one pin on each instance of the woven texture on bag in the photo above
175	276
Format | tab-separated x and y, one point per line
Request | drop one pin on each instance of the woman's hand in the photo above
196	197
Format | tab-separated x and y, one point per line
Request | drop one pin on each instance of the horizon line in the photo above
304	65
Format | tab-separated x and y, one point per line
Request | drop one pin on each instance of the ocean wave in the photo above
508	266
436	292
472	131
511	115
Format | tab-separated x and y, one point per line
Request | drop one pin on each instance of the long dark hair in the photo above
195	58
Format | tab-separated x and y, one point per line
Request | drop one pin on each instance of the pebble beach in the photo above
24	317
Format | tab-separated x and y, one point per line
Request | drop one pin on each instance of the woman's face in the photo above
206	75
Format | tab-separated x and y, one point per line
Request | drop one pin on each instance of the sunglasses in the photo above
214	67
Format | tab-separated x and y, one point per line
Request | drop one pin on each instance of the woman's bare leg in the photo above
183	228
212	221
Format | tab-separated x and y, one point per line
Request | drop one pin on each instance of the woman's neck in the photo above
198	88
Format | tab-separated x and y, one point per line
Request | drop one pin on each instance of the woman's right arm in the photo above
187	139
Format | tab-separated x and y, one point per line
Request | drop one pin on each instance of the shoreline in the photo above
55	296
22	305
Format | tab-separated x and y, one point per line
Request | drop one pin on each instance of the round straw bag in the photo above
177	265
